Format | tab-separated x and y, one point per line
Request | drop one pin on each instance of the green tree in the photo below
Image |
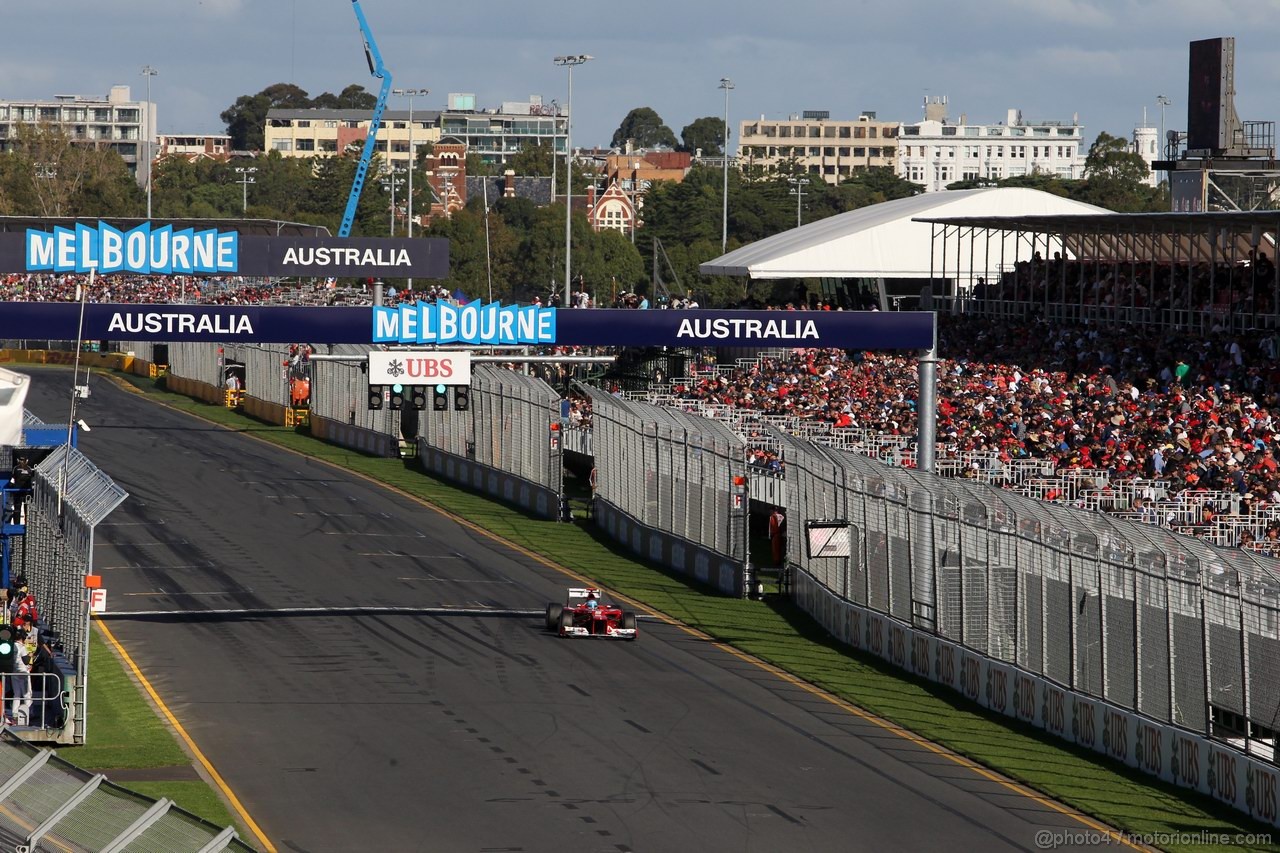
246	119
533	160
706	133
1115	178
645	126
354	97
48	174
517	213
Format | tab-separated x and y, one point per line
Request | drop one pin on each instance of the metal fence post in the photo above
1244	660
1204	636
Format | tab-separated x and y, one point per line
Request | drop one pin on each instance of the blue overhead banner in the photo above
426	324
158	248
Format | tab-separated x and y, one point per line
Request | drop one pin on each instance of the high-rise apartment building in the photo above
937	152
114	121
832	150
324	132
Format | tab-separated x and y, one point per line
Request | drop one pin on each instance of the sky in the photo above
1101	61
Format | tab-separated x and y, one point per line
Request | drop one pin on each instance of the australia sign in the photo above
473	324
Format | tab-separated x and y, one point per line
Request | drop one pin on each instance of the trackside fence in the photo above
69	497
51	805
673	486
507	442
1157	649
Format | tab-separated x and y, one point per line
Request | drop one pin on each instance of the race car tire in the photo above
629	622
566	622
553	616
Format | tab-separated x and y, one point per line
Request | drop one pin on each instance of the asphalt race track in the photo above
433	730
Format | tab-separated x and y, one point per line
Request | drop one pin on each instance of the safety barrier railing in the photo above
69	497
671	471
1167	626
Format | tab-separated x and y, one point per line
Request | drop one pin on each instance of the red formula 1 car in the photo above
585	614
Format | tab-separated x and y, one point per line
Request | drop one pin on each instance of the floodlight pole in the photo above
569	62
149	72
726	84
927	407
413	156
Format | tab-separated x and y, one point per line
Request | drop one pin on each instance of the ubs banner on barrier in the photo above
1247	783
153	248
474	324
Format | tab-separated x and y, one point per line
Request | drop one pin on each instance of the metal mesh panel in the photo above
1031	622
1087	608
1222	621
1150	619
48	788
1121	634
198	361
1186	648
1262	634
511	419
58	545
671	470
1152	646
339	392
178	831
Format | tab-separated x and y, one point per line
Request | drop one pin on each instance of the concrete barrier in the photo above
531	497
1186	759
354	437
680	555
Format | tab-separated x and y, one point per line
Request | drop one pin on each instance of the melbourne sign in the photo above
138	250
445	323
157	248
472	324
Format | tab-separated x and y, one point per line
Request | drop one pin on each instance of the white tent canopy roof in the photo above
881	241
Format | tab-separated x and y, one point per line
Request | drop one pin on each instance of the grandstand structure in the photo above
1196	271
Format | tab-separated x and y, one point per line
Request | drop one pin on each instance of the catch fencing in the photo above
69	497
673	472
1163	625
507	442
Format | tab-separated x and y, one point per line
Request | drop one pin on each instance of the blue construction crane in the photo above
377	69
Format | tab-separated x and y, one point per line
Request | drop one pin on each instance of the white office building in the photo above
937	152
115	121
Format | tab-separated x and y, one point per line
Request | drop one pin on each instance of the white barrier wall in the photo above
1185	759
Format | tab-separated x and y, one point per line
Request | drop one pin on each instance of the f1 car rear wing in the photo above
582	593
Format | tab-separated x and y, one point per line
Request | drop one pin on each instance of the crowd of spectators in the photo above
124	288
1193	414
1246	286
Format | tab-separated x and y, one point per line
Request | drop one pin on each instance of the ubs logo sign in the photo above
920	655
875	635
1260	793
997	689
1024	697
970	676
1115	733
1148	748
945	664
1222	775
855	627
1054	711
1082	723
897	645
1185	761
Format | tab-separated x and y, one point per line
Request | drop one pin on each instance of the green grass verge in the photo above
126	732
777	632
